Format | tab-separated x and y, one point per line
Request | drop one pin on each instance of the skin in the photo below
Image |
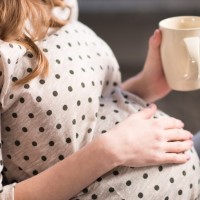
156	141
145	84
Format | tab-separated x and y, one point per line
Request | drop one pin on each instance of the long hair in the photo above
14	15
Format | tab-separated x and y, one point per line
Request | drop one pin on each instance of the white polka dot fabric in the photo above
48	119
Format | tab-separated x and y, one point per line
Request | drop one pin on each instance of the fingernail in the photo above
191	136
155	32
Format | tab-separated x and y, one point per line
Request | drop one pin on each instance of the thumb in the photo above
147	112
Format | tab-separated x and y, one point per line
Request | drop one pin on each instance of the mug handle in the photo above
193	49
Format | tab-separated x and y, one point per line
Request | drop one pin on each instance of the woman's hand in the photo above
141	140
152	72
150	84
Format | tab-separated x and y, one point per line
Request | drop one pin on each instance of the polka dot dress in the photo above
48	119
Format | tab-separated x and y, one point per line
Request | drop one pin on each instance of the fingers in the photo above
146	113
178	147
155	39
177	135
170	123
175	158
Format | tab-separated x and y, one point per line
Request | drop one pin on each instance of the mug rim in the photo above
163	25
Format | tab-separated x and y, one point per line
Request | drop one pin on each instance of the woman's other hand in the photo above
152	72
150	84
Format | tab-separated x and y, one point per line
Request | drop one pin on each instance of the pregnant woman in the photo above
69	128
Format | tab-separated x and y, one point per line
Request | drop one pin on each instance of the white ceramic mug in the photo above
180	52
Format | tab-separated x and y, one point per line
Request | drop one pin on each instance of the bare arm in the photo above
70	176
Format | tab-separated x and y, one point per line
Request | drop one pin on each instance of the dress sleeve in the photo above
9	54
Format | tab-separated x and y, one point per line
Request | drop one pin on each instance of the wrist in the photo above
109	151
136	85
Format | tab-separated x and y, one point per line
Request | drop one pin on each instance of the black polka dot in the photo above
26	158
184	173
55	93
44	158
71	72
89	130
60	157
160	168
17	143
29	70
171	180
99	179
49	112
7	128
73	121
83	85
145	175
58	46
180	192
70	89
42	81
57	61
11	45
140	195
85	190
11	96
156	187
68	140
34	143
22	100
14	79
41	129
35	172
24	129
30	55
26	86
57	76
31	115
58	126
78	103
45	50
14	115
51	143
9	156
65	107
94	196
89	99
38	99
128	183
115	173
111	189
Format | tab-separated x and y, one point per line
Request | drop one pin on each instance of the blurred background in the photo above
126	26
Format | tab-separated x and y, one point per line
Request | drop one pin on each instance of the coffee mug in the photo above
180	52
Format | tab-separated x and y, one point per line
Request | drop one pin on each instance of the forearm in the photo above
138	86
150	91
70	176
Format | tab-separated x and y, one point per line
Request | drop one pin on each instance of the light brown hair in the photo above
14	15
